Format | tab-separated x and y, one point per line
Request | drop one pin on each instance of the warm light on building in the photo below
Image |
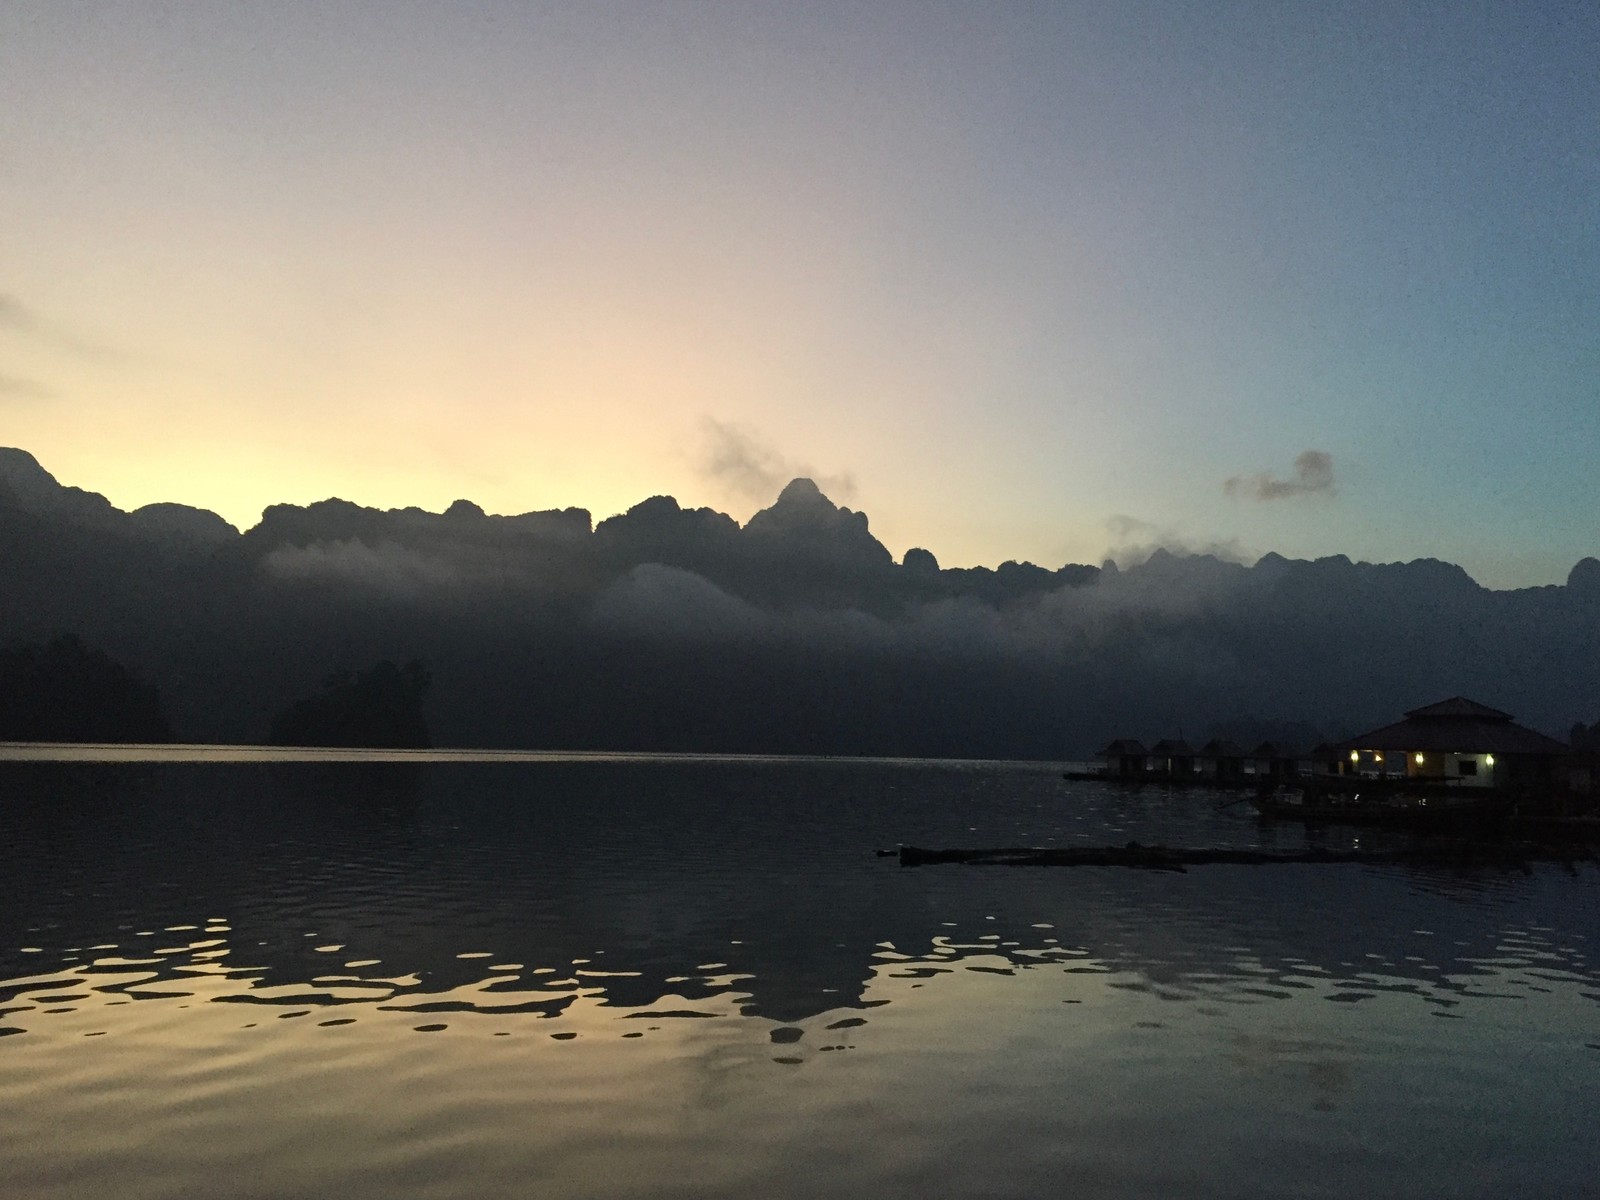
1451	742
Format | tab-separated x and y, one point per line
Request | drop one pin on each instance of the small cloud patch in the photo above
1313	476
13	387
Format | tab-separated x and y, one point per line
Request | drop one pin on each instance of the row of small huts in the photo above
1174	758
1456	740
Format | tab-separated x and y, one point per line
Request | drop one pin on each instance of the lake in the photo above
598	976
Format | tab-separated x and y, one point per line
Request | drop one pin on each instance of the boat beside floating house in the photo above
1417	809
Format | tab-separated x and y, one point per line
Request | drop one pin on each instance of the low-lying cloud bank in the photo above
677	629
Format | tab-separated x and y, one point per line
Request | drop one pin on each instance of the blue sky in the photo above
1020	281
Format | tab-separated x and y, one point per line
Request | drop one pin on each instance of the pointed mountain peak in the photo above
802	511
801	491
802	506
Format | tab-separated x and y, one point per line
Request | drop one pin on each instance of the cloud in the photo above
1313	476
1133	541
389	568
653	600
732	456
13	387
17	317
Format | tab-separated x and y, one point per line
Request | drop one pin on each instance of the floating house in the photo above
1323	759
1221	760
1273	760
1173	759
1458	741
1125	759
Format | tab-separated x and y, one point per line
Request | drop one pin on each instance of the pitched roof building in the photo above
1456	739
1125	758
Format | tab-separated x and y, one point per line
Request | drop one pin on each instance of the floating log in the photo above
1170	858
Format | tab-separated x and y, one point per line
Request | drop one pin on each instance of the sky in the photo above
1020	281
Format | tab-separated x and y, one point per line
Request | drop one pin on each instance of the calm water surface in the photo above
676	977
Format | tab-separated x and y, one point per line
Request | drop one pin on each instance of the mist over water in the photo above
681	977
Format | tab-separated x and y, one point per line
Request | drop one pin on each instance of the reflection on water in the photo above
681	977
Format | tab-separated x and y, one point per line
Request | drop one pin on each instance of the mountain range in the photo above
666	628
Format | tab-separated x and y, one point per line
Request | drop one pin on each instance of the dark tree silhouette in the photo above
68	692
379	708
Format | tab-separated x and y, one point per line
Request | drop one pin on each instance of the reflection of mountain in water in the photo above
683	884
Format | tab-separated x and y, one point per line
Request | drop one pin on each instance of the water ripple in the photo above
586	980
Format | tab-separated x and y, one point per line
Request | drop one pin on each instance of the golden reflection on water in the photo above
153	1065
507	984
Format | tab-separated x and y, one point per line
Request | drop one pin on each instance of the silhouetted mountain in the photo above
181	523
68	692
29	487
1585	576
379	708
677	629
33	489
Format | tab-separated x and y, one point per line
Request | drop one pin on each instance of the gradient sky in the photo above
1019	280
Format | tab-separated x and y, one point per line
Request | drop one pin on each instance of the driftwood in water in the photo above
1169	858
